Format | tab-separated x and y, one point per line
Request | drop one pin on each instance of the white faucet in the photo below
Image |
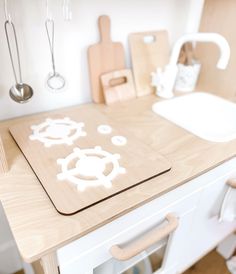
165	80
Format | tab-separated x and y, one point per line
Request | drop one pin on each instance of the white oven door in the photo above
157	250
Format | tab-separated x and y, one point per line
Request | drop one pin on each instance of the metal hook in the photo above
49	14
7	14
66	8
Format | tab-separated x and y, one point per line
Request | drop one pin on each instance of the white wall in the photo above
72	40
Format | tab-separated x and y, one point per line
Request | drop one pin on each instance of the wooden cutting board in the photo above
104	57
118	86
149	50
140	162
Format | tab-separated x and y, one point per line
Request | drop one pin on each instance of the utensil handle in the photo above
50	34
104	24
232	183
145	242
7	14
66	9
9	23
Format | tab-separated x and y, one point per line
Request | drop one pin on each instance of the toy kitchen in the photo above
117	136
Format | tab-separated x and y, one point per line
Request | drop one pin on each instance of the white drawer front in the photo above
78	257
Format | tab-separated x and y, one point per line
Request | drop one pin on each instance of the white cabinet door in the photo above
207	230
179	245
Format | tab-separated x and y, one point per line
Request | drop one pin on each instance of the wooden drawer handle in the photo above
123	254
232	183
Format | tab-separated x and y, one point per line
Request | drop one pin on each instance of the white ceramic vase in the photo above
187	77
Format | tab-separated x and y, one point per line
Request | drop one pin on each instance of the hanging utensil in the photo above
20	92
55	81
66	9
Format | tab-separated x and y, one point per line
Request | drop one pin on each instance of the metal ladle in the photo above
20	92
55	81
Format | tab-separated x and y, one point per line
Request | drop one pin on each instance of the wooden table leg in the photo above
49	264
46	265
3	160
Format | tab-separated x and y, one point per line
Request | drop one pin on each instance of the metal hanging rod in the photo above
66	9
48	13
7	14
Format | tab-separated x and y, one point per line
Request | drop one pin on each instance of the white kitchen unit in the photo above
196	205
9	257
171	220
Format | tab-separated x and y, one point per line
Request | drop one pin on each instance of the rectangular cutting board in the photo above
139	162
149	51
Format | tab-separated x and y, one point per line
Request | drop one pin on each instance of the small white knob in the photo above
119	140
104	129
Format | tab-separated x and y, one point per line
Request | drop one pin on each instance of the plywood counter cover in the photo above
38	228
140	162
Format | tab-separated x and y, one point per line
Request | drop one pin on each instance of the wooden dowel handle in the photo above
232	183
154	236
104	28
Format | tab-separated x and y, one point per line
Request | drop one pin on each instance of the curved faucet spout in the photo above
210	37
165	80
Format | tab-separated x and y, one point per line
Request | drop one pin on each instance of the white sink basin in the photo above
204	115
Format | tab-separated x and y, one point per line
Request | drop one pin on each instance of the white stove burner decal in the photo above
57	132
119	140
104	129
90	167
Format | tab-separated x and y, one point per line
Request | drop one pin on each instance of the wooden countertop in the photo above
36	225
